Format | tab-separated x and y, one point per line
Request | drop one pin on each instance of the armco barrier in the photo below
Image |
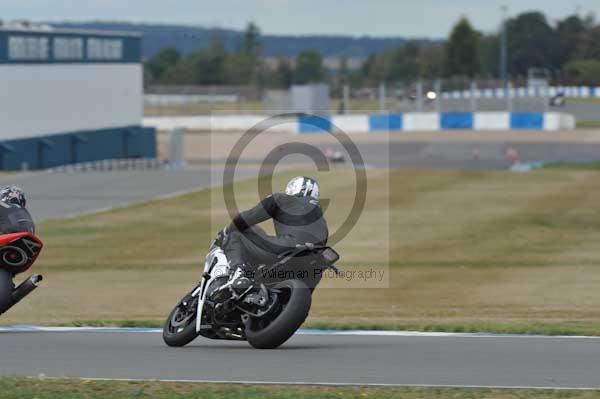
385	122
491	121
353	124
526	120
86	146
567	91
313	124
421	121
558	121
456	120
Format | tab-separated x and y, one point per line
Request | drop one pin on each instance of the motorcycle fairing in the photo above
18	251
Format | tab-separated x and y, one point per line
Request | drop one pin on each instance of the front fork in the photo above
201	291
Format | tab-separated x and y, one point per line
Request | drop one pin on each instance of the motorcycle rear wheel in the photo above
180	327
295	301
7	286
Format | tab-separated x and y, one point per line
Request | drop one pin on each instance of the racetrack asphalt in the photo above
60	195
315	358
432	360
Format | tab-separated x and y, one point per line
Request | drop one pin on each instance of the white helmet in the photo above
303	186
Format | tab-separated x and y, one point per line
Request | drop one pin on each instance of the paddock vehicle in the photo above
266	314
18	252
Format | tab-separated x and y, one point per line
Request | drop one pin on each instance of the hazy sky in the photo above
423	18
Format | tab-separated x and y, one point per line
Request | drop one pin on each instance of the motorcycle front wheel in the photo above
180	327
294	304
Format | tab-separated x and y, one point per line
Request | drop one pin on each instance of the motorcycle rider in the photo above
297	217
14	217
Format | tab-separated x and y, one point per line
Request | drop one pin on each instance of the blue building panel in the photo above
526	121
385	122
309	124
61	149
456	120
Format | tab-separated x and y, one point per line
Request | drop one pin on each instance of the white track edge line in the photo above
325	384
381	333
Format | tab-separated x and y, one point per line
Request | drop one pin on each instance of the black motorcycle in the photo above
266	314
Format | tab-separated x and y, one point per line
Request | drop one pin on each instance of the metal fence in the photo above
452	95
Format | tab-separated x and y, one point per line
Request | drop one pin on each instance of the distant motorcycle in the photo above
18	252
266	314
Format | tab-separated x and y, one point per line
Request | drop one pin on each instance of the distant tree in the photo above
589	46
242	67
532	43
251	44
156	66
462	57
489	55
571	32
372	71
206	67
584	72
309	68
402	63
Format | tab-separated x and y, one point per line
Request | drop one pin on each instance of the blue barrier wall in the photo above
447	121
314	124
526	120
385	122
456	120
60	149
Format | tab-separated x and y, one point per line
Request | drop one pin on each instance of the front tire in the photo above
180	327
296	299
7	286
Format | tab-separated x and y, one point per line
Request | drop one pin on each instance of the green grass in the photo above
245	107
567	328
573	165
41	388
588	124
588	100
460	251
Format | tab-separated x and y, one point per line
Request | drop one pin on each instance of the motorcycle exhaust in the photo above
24	289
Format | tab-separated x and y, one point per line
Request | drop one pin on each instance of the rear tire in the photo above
7	286
285	324
182	335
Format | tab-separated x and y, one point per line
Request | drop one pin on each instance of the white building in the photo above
70	96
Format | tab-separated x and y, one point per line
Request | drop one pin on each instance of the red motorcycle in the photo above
18	252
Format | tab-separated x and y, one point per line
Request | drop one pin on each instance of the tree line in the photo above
215	65
568	50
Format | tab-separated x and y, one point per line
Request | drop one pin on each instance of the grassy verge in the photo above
567	328
13	388
588	100
244	107
588	124
573	166
459	251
